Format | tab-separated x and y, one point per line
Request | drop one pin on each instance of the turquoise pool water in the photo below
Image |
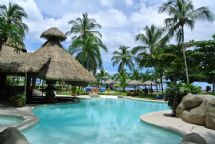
9	120
98	121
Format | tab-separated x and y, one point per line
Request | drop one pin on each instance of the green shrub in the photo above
176	91
18	100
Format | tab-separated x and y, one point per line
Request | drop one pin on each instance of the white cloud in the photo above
108	3
129	2
147	16
110	18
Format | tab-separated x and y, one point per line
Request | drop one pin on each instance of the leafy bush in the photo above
176	91
18	100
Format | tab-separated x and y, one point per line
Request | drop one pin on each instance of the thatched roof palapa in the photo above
53	33
54	63
51	61
11	60
149	83
135	82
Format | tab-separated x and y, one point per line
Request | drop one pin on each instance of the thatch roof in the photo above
135	82
53	33
50	62
54	63
11	60
148	83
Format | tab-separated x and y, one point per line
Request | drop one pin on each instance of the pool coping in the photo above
142	99
162	119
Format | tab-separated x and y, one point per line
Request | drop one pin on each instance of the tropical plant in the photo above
122	77
12	29
123	58
84	26
176	91
148	55
87	52
204	57
182	13
18	100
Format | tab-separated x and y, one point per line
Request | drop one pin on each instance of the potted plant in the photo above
18	100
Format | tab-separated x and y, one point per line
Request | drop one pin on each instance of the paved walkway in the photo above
29	119
161	119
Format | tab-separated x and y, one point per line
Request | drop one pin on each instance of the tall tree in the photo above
102	75
12	28
123	58
87	52
136	75
81	27
204	56
153	40
182	13
86	44
122	77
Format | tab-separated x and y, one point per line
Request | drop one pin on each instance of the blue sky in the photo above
121	20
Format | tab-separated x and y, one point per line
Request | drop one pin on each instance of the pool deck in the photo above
163	120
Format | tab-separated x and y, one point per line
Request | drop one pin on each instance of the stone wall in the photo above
197	109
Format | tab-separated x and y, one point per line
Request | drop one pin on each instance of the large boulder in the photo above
196	115
191	101
197	109
180	109
12	135
210	114
193	138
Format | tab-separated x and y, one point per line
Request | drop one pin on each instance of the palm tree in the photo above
87	52
123	58
182	13
12	29
102	75
86	42
122	77
136	75
153	40
81	27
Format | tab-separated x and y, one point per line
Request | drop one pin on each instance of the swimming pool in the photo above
98	121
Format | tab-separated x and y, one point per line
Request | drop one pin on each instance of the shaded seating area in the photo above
50	63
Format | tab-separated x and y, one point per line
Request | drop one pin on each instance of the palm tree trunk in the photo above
185	58
213	85
161	82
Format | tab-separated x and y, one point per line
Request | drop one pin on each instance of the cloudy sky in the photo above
121	20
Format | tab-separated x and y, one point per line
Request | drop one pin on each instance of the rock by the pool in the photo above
191	101
210	114
197	109
12	135
196	115
180	109
193	138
